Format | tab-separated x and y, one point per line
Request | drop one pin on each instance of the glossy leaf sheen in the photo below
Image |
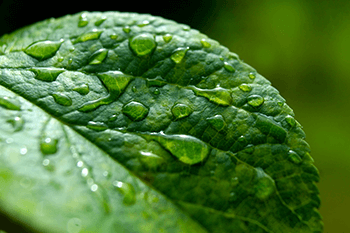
120	122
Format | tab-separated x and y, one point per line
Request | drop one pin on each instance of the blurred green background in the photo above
301	46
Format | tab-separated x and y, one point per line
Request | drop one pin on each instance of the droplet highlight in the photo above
135	111
43	49
180	111
143	44
62	99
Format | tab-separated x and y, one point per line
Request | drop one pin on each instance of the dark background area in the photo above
301	46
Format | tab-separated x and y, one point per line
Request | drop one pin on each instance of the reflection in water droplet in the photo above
98	57
205	43
255	100
17	123
127	190
48	145
9	103
115	82
229	67
43	49
251	75
62	99
290	120
245	87
167	38
83	89
187	149
217	95
179	54
217	122
180	111
74	225
264	185
135	111
294	157
143	44
97	126
46	74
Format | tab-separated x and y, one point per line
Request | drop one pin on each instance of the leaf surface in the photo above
120	122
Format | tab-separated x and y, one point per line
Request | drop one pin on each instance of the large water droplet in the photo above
83	20
245	87
17	123
97	126
217	95
180	111
46	74
10	103
179	54
92	35
167	38
217	122
127	190
135	111
143	44
83	89
255	100
187	149
98	56
229	67
115	82
43	49
62	99
294	157
264	185
48	145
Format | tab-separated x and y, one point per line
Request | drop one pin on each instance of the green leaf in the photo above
120	122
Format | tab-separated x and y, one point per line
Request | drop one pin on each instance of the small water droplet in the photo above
80	164
180	111
83	89
62	99
10	103
143	44
113	117
9	140
135	111
127	190
255	100
217	122
264	185
70	61
290	120
294	157
113	36
229	67
245	87
94	187
156	91
205	43
48	145
126	29
143	23
251	75
97	126
186	28
100	20
179	54
48	165
43	49
167	38
46	162
46	74
74	225
98	56
17	123
92	35
217	95
23	150
83	20
84	172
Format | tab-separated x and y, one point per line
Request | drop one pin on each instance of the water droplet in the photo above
186	28
83	20
180	111
74	225
62	99
294	157
80	164
113	118
205	43
9	103
46	162
255	100
94	187
17	123
167	38
143	44
48	145
135	111
84	172
43	49
70	61
115	82
98	56
187	149
217	95
127	190
100	20
23	150
47	165
92	35
97	126
126	29
179	54
217	122
245	87
229	67
113	36
156	91
134	89
150	160
290	120
251	75
264	185
143	23
83	89
46	74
